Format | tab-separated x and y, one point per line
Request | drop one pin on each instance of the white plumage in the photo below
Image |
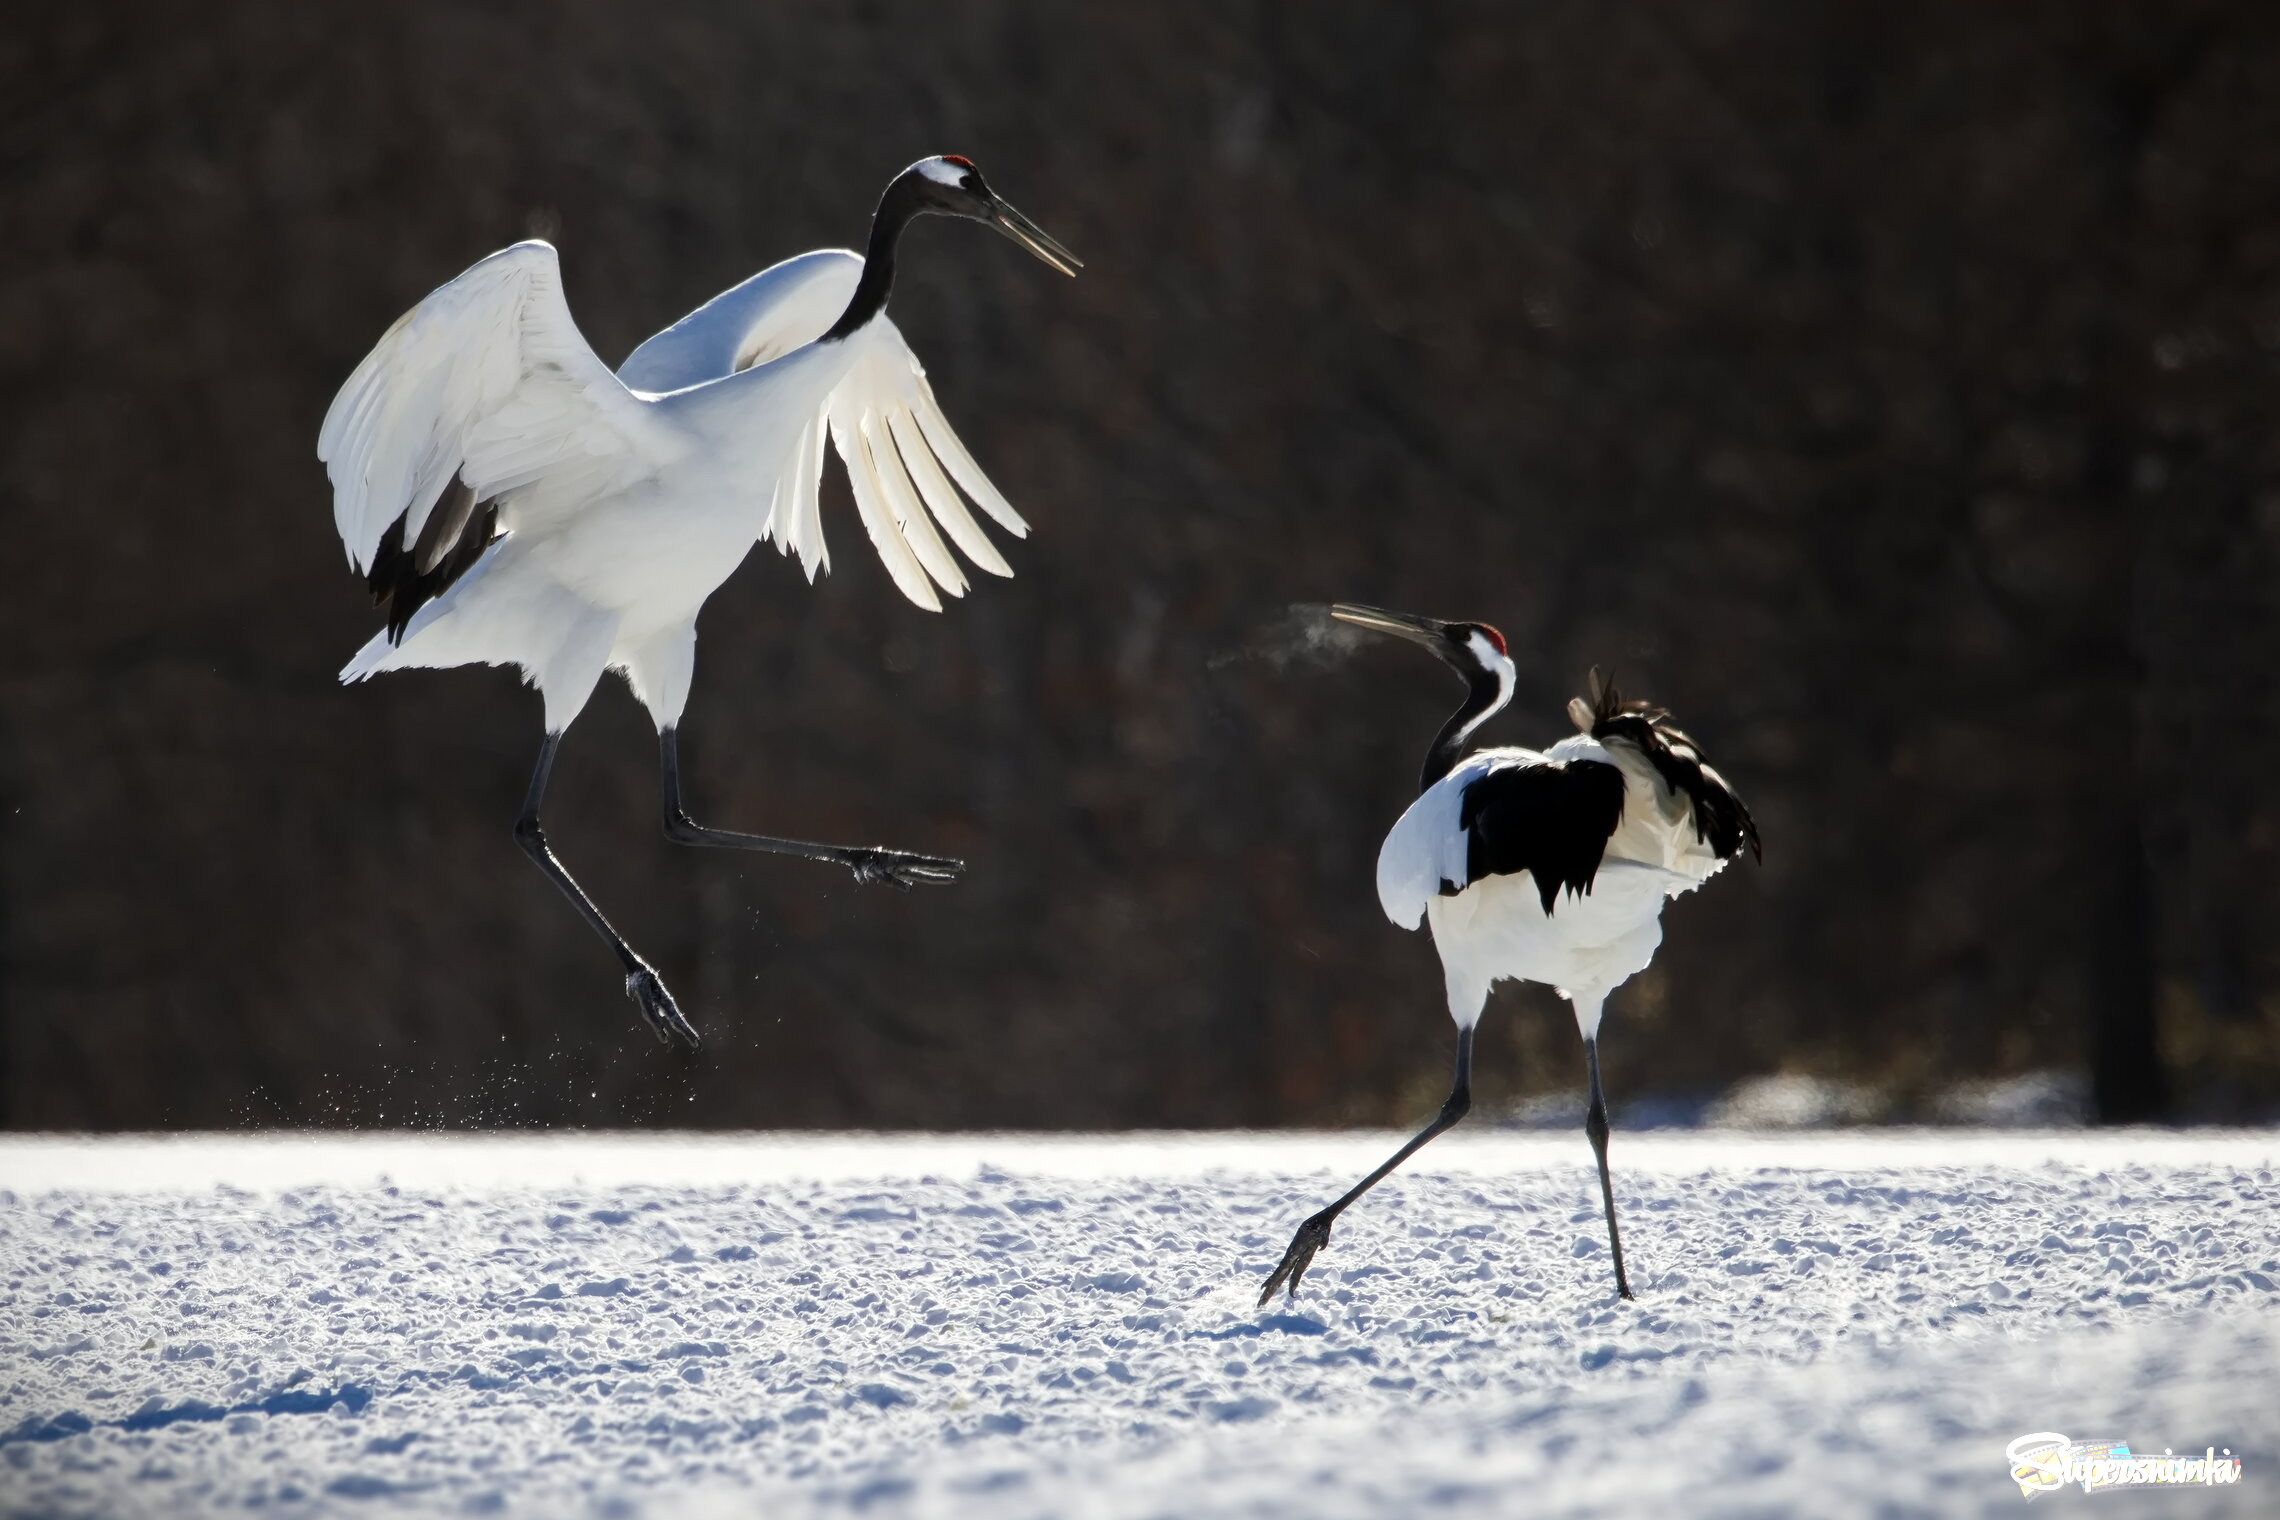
510	501
1496	929
625	500
1548	866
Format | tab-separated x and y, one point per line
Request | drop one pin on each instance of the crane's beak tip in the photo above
1034	238
1400	624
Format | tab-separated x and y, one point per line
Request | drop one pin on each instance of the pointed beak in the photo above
1033	237
1430	632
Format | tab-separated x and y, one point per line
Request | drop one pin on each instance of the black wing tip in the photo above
399	587
1721	819
1749	830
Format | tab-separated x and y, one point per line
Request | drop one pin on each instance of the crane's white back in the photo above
623	501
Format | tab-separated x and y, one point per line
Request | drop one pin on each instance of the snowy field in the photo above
1834	1324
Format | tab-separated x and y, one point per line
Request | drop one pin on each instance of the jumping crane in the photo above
510	501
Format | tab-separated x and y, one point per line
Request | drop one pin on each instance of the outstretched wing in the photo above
1501	812
901	458
904	462
783	307
484	388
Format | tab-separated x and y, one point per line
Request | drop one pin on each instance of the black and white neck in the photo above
944	186
1473	650
911	194
1489	678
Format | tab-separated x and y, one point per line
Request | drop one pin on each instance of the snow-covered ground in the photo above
1831	1324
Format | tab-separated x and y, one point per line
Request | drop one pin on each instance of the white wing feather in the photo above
783	307
1427	844
488	379
900	451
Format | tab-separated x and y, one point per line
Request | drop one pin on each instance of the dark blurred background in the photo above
1888	389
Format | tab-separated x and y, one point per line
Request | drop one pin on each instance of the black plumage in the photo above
1720	818
457	531
1551	820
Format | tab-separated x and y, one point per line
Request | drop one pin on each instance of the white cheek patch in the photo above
1493	658
1507	675
942	171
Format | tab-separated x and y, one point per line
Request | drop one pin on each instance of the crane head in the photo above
949	185
1473	650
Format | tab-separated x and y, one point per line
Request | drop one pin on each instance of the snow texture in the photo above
1836	1325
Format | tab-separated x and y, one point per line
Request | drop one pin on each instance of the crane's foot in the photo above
1312	1236
902	869
658	1010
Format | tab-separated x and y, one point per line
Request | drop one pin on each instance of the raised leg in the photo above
1313	1235
1595	1125
642	983
869	863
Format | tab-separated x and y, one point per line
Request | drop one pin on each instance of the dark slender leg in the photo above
1595	1125
642	983
1313	1235
900	867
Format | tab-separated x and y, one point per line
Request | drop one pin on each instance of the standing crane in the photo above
510	501
1547	867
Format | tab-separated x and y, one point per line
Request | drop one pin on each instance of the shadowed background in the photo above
1888	391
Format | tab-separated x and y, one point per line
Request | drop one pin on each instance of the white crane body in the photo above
511	501
1497	928
1546	866
622	508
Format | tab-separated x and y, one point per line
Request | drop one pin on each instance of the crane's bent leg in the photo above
1313	1235
1595	1125
869	863
642	983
